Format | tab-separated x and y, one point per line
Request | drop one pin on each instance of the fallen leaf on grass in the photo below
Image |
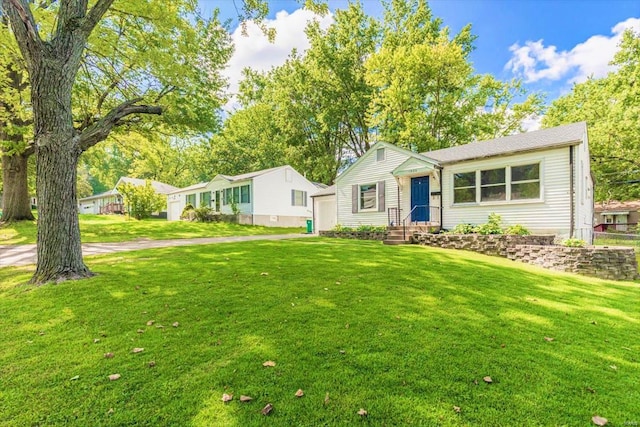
503	345
96	340
175	324
227	397
151	322
475	382
269	363
299	393
548	339
342	352
457	409
264	274
114	377
599	421
159	326
487	379
152	364
614	367
109	355
326	398
590	390
137	350
110	411
140	331
245	398
362	412
346	326
267	409
77	377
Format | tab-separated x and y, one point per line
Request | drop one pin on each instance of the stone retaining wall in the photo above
617	263
492	244
360	235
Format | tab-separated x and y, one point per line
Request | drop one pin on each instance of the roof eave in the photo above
513	152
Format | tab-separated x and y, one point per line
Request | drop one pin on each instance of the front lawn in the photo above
407	333
119	228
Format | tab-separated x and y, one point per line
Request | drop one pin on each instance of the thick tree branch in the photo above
23	25
100	130
95	15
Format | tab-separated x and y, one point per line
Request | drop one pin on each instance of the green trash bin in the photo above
309	226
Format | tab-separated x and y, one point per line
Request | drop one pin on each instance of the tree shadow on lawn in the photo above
404	333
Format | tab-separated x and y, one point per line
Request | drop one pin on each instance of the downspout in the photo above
441	191
572	167
398	215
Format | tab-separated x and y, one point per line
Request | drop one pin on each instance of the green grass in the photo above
117	228
403	332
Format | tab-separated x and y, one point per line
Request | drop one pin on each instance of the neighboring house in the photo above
272	197
539	179
111	201
615	215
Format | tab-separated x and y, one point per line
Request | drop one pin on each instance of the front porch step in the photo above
398	235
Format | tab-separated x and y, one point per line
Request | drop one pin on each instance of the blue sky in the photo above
549	44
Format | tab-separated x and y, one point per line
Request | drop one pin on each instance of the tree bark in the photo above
52	67
16	203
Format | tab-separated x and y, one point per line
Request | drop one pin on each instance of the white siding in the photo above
272	193
551	214
584	192
369	171
324	212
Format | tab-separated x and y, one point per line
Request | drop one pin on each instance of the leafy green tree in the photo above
15	126
427	93
142	200
611	108
79	55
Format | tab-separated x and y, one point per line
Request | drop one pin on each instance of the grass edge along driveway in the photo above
406	333
118	228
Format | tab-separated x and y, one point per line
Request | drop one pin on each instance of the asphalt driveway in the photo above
16	255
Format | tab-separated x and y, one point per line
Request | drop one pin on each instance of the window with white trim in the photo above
380	154
244	194
298	198
464	187
493	185
191	200
368	196
510	183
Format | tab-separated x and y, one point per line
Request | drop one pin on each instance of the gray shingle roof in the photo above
529	141
325	191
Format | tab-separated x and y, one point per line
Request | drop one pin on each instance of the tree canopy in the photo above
611	109
403	79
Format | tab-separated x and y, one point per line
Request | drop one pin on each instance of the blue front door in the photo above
420	198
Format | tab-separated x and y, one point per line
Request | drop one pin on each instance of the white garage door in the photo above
174	211
325	213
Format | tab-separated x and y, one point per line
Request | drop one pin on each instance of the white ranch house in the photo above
271	197
111	201
541	180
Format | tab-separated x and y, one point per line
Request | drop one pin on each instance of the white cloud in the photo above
534	61
254	49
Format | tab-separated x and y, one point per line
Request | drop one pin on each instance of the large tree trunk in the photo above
16	203
57	153
59	248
